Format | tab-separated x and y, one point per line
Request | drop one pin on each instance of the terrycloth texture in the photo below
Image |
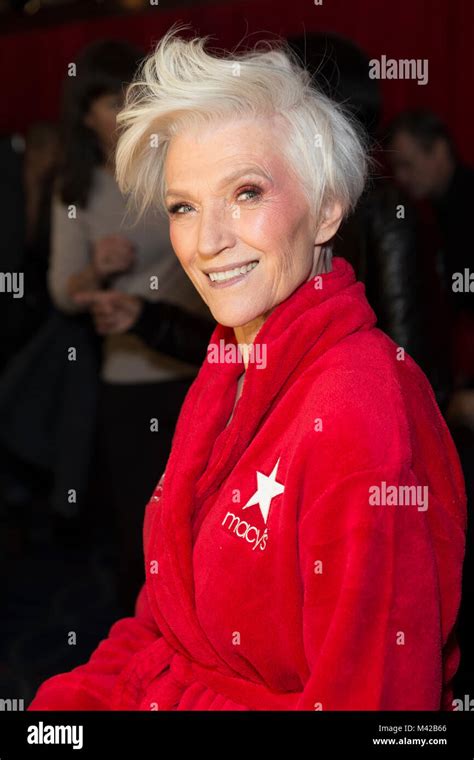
326	601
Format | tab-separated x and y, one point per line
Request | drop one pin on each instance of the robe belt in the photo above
246	693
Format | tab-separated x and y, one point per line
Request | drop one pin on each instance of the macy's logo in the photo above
268	488
245	530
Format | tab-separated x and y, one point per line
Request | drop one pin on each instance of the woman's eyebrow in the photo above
251	169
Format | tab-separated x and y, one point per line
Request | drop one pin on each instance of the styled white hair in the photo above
181	84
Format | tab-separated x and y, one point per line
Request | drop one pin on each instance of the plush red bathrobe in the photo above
307	556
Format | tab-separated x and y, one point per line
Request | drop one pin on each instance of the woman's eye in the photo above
176	209
254	192
181	209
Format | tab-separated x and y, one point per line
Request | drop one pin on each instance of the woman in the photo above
287	569
98	248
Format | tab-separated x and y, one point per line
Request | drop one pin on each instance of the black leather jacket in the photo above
384	242
174	331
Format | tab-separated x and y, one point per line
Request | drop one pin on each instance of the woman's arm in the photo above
381	595
70	267
163	326
79	265
381	580
174	331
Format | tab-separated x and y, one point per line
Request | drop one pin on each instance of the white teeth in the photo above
230	273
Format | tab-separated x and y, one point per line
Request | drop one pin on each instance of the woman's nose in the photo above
215	231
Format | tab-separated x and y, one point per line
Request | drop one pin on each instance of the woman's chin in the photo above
231	317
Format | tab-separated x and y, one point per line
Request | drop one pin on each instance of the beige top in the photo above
126	357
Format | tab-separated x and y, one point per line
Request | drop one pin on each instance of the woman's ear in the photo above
328	226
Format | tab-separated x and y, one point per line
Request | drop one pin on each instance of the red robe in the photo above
289	565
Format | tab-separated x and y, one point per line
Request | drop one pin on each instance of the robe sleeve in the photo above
90	686
381	594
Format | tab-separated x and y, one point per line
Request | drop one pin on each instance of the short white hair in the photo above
181	83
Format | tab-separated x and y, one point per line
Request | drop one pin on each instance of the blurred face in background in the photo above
102	119
422	172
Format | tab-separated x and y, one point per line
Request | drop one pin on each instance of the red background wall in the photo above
33	63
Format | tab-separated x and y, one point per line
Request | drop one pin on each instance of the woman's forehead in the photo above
234	149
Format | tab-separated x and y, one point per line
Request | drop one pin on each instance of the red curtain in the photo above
33	64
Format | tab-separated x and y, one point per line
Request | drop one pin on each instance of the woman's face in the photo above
234	202
102	119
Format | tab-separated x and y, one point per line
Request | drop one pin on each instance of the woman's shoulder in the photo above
365	366
354	401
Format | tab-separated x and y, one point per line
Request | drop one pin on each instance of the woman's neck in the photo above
246	334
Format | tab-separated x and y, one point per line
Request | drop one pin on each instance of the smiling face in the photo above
240	223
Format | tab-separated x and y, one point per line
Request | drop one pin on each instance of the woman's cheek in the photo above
272	218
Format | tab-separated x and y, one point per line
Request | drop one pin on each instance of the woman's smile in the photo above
227	277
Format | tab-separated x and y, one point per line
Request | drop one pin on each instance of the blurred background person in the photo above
95	246
426	164
102	425
383	239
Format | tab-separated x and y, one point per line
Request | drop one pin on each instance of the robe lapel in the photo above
200	428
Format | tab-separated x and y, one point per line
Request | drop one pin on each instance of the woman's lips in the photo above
231	276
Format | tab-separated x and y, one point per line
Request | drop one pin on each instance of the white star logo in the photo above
267	489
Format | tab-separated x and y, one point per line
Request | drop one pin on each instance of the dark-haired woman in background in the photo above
96	246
